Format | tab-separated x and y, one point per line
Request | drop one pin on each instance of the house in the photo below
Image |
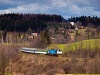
34	34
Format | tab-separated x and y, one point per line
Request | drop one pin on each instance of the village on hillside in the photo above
43	44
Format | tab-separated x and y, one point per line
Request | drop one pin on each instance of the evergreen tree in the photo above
29	31
45	37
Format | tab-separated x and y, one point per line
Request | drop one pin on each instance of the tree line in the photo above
38	22
21	22
85	20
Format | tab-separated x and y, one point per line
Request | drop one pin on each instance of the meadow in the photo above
85	44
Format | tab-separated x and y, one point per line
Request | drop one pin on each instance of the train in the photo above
41	51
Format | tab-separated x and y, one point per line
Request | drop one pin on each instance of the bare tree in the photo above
78	24
98	31
2	62
60	39
87	31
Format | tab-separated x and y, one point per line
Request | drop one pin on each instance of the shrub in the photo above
48	66
55	71
93	66
73	66
83	53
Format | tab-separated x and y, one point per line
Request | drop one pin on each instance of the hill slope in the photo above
85	44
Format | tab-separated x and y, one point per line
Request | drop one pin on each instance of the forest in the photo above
38	22
21	22
95	21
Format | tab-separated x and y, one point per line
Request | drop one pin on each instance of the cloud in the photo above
30	8
66	8
58	3
82	7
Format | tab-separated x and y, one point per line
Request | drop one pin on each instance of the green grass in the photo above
85	44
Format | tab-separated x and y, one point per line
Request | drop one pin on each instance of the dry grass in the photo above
30	64
34	65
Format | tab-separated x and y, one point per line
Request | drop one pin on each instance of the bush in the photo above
8	54
48	66
55	71
83	53
73	66
93	66
67	67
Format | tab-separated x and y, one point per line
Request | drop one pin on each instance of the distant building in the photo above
34	34
76	28
72	23
72	38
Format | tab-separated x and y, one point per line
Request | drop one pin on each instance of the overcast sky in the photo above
66	8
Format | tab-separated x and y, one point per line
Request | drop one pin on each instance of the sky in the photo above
65	8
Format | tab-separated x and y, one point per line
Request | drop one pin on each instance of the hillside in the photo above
74	61
30	64
80	55
85	44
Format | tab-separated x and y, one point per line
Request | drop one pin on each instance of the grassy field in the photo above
85	44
